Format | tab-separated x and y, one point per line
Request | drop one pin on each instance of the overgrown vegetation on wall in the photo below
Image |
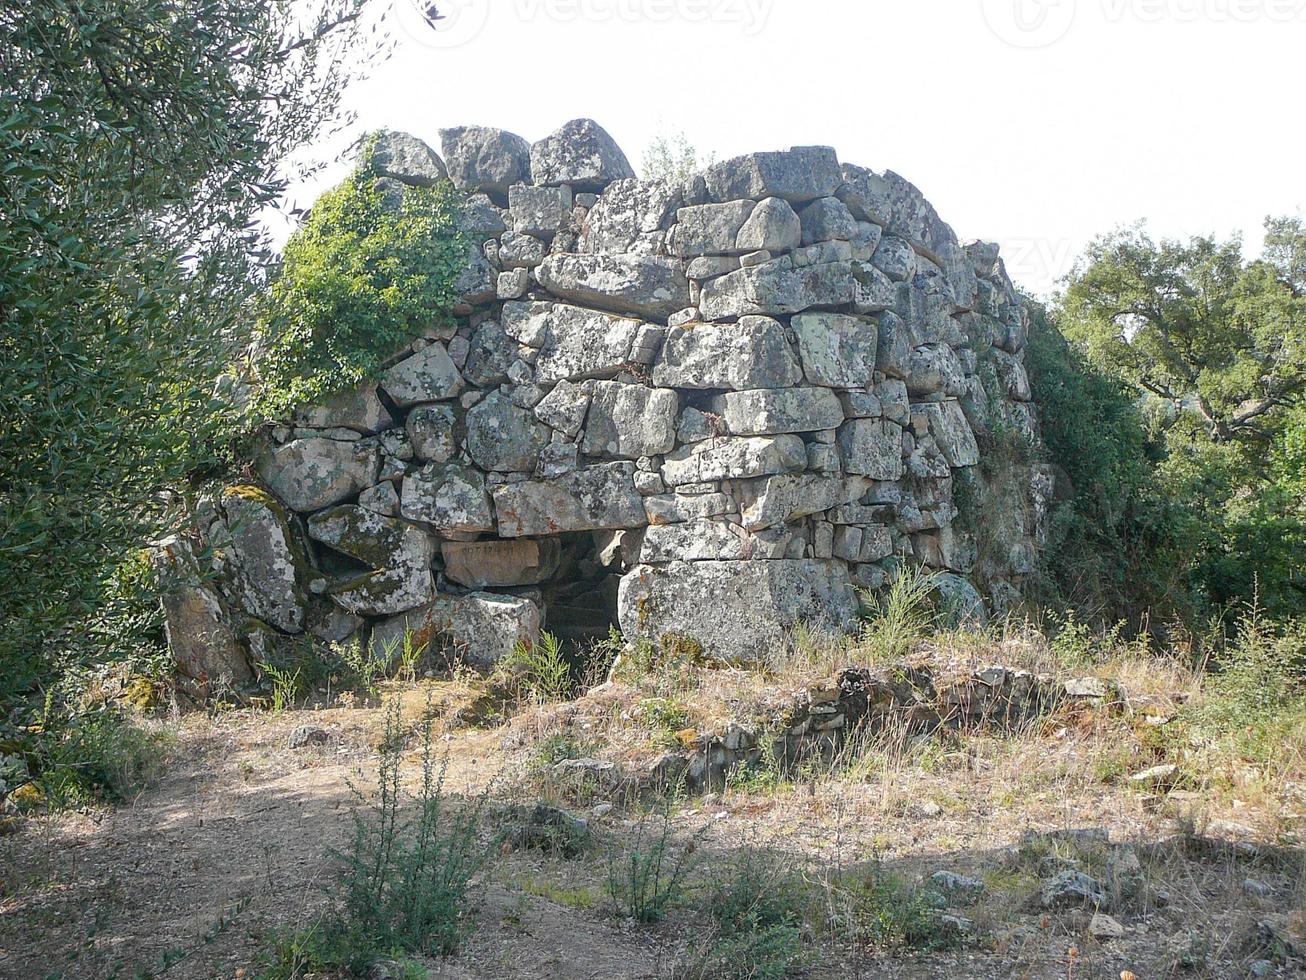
362	277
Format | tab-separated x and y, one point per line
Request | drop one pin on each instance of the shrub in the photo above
361	279
539	670
756	907
1117	546
404	883
902	615
880	911
648	874
96	754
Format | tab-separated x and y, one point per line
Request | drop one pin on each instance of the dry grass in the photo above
893	807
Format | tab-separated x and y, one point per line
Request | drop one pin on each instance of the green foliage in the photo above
881	911
359	281
1116	548
73	758
755	905
1192	325
647	872
540	670
405	880
1260	672
901	616
673	158
140	141
666	716
1197	503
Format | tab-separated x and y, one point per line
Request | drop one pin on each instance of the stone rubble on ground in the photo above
774	379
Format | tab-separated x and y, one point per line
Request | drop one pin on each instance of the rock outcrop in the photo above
744	396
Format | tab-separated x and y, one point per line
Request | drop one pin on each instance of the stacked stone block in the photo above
748	394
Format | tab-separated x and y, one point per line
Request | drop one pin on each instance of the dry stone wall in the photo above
709	408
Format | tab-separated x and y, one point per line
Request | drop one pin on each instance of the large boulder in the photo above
933	368
946	422
776	288
204	646
538	211
750	354
827	219
427	376
802	173
773	226
871	448
780	499
773	411
258	554
601	497
581	154
448	497
358	409
482	159
630	421
503	437
736	610
478	629
578	343
309	474
838	351
710	229
644	285
734	458
629	217
405	158
866	194
399	553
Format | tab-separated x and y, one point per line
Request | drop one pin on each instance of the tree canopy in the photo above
139	142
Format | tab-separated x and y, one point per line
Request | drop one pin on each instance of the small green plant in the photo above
286	686
647	874
411	652
404	881
99	753
540	669
363	668
665	716
902	615
755	905
881	911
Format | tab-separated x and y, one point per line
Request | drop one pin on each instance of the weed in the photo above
539	670
665	716
285	686
881	911
645	876
901	617
404	882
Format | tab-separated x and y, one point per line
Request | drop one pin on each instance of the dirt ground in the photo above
232	839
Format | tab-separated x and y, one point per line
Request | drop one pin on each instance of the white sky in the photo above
1035	123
